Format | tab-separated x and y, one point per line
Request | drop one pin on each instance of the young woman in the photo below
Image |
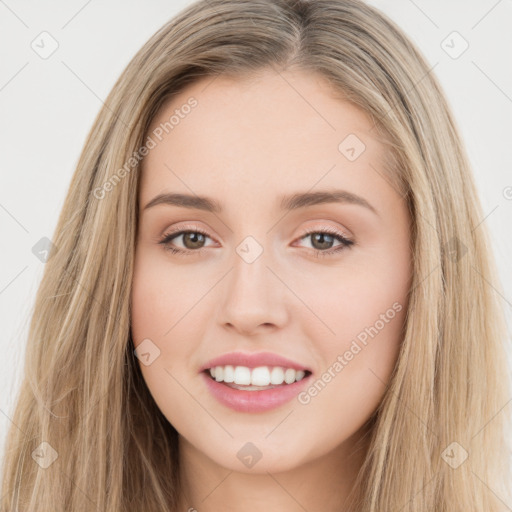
270	287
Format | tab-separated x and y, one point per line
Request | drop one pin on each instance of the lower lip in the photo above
254	401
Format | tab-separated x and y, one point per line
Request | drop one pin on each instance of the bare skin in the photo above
246	144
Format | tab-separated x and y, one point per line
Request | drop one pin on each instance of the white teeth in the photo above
289	375
229	373
260	376
242	375
277	375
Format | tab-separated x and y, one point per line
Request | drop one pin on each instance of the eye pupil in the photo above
196	238
320	237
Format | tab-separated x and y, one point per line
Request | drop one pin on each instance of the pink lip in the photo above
253	401
253	361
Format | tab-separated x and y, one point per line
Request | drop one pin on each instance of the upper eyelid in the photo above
308	230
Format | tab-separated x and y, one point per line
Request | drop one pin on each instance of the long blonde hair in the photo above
83	392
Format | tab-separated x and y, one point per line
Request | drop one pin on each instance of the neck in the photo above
325	483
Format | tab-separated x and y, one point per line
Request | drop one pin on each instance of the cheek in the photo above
155	311
355	299
159	297
156	329
364	308
357	363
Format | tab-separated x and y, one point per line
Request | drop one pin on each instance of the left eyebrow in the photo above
302	200
289	202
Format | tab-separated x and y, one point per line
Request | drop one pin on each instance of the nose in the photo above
254	299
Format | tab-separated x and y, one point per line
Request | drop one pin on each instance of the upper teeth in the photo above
260	376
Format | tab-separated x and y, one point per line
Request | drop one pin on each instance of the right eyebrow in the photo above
185	201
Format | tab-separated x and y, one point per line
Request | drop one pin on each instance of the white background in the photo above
48	106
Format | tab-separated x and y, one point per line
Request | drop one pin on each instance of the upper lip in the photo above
253	360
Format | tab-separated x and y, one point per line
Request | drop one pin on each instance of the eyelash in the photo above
345	242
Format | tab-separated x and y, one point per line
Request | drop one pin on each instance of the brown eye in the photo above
322	241
192	240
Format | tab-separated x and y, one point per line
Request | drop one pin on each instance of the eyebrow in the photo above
290	202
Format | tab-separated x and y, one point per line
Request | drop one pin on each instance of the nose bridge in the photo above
253	295
250	275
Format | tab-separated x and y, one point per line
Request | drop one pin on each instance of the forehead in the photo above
253	134
266	99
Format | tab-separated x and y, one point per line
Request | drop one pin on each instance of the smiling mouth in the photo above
255	379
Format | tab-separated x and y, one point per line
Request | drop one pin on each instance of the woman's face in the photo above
277	158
